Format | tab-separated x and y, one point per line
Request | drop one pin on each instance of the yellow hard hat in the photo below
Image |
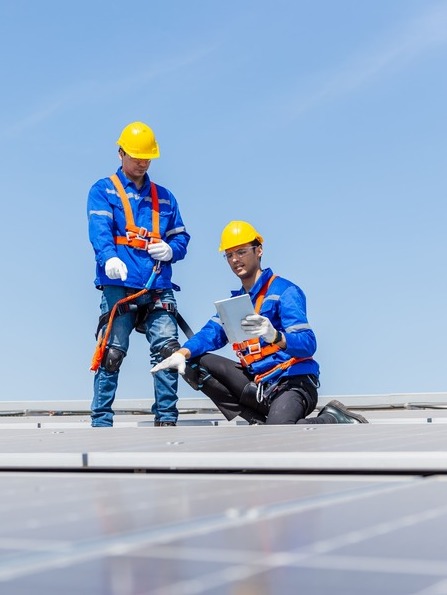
237	233
138	140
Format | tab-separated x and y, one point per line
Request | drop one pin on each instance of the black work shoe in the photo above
164	423
342	414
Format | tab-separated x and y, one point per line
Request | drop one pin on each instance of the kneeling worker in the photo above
275	380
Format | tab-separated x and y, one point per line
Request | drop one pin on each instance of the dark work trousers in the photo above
232	390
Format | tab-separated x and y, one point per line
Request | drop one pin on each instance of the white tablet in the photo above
231	311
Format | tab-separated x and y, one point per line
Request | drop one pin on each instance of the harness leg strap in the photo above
143	313
104	318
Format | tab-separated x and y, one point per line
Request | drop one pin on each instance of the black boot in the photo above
253	417
341	414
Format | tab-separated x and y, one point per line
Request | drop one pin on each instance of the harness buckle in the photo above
142	232
169	307
248	351
253	348
137	241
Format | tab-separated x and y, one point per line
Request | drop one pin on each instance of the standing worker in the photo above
275	380
137	233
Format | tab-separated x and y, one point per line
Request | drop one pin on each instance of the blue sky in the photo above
322	122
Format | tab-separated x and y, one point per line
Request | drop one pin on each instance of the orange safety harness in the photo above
103	337
104	333
251	351
138	237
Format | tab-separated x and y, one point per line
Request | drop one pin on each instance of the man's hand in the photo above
260	326
160	251
176	361
116	269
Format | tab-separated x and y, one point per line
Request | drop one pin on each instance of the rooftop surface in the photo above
222	508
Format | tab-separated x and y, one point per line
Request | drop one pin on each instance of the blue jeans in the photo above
161	327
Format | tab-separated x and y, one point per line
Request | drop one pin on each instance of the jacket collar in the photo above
264	277
126	182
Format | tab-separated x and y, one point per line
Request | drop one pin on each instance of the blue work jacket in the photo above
107	221
285	306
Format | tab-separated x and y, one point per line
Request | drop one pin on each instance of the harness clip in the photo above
253	348
136	241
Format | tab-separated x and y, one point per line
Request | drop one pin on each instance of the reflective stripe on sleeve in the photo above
298	327
101	213
175	231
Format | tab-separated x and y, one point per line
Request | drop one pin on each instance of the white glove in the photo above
160	251
260	326
176	361
116	269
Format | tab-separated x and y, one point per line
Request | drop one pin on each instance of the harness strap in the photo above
261	294
104	335
279	368
184	325
136	237
250	351
104	318
127	307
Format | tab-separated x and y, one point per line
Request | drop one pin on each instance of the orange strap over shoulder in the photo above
253	350
261	294
138	237
252	347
